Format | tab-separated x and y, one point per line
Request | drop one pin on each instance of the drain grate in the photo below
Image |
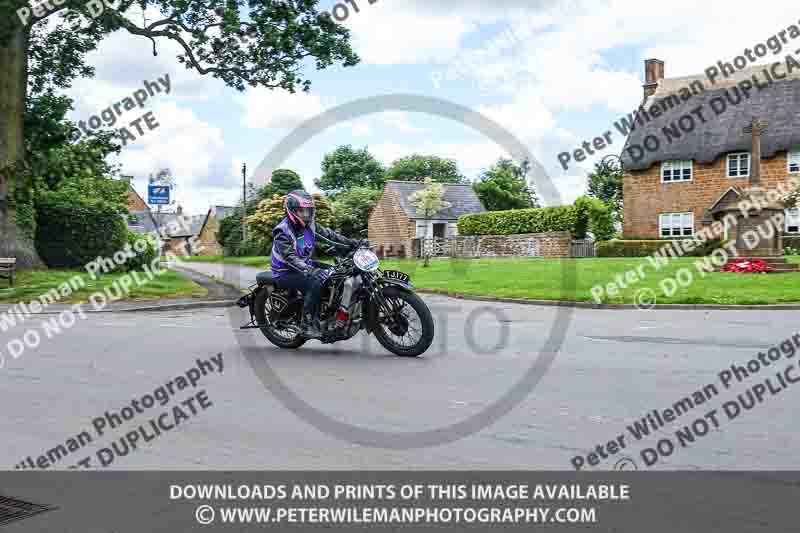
13	510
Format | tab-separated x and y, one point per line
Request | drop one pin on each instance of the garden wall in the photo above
550	244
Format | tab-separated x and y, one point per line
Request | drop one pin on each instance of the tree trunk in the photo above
13	86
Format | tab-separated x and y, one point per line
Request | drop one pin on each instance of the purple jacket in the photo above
289	255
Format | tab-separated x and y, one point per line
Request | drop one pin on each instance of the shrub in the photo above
146	256
643	248
596	216
789	250
72	231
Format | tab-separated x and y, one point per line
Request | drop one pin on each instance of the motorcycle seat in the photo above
264	278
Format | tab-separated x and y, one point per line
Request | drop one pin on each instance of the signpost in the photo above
158	194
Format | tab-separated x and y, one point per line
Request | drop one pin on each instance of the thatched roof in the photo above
778	103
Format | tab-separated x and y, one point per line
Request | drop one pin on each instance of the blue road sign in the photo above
158	194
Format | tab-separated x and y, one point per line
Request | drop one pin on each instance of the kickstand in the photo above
251	325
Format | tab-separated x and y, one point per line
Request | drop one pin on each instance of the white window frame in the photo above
679	166
676	224
793	160
738	156
792	217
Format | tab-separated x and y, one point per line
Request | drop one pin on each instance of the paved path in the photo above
235	275
613	368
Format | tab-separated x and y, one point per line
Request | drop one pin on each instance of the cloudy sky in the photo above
554	73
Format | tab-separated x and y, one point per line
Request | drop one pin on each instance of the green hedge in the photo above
72	232
587	214
643	248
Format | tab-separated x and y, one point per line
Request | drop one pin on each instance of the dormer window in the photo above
739	165
794	161
676	170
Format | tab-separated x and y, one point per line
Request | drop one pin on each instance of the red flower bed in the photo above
747	265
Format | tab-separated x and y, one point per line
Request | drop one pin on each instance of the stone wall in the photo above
646	197
551	244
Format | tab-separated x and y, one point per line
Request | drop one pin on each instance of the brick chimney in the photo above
653	73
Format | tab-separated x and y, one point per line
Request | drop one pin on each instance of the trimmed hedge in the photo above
643	248
70	233
587	214
562	218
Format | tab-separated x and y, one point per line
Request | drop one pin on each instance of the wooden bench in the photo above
8	267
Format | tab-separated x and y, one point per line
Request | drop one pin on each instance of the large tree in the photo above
605	183
282	182
418	167
242	43
352	208
503	187
346	167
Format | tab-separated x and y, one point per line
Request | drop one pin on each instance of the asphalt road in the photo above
612	369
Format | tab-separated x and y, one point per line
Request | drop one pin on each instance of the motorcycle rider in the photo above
292	247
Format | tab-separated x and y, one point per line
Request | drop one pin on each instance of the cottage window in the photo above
739	165
793	220
794	160
676	224
676	171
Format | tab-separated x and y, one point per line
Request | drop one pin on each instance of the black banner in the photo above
121	502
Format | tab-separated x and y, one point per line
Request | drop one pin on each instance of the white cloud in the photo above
264	108
192	149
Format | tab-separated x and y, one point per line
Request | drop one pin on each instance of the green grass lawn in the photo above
256	261
549	279
30	284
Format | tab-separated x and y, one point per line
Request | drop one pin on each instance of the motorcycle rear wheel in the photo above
262	318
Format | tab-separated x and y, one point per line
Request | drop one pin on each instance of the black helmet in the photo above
299	207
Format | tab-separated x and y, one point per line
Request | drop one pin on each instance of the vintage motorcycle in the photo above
357	295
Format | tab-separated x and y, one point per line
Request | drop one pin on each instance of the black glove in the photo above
320	274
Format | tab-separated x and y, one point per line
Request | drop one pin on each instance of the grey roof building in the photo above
394	222
462	199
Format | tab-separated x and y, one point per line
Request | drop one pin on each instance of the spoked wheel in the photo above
281	335
405	325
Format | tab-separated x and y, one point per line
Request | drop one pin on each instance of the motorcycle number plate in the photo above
398	276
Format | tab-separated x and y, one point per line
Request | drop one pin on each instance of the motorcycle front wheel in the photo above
405	327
